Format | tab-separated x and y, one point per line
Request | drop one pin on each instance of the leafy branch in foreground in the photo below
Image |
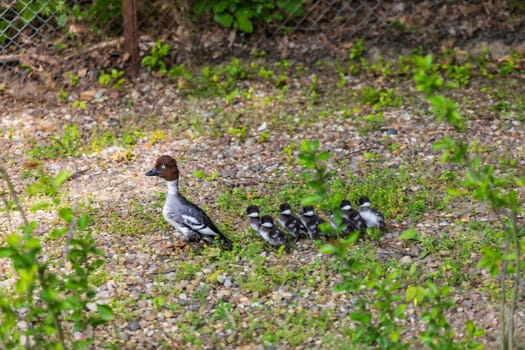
379	311
47	303
383	331
482	184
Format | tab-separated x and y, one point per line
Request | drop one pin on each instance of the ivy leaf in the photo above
243	20
292	7
220	6
224	19
61	20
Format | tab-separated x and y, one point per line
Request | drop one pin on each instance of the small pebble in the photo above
262	127
467	304
406	260
391	131
133	325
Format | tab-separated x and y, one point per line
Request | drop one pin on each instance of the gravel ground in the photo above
139	268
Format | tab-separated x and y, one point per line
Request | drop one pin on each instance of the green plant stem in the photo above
503	297
56	319
12	191
7	179
8	212
507	311
517	251
29	324
41	276
71	229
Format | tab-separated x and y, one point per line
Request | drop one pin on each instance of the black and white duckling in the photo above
311	221
272	234
290	222
372	216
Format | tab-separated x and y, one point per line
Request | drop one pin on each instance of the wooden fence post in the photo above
129	13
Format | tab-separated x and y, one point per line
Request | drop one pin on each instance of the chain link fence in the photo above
24	24
34	24
350	16
47	25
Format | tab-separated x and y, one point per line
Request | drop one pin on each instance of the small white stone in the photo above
263	127
91	307
406	260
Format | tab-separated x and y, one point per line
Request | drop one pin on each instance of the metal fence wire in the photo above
29	23
24	23
350	15
40	24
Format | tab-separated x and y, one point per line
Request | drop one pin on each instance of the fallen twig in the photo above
99	46
27	58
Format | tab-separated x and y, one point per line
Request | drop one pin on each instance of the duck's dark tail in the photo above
227	244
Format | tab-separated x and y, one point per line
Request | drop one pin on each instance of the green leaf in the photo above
13	240
415	294
410	234
33	243
105	312
5	252
354	236
61	20
39	206
327	249
164	50
61	178
394	336
83	222
294	8
413	269
335	200
199	174
446	142
309	146
29	228
324	155
325	227
220	6
453	191
58	232
66	214
410	293
362	317
26	278
225	20
311	200
243	20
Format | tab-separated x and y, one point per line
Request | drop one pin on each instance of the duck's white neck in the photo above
173	187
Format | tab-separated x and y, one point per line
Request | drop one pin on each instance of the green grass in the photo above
406	194
64	144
